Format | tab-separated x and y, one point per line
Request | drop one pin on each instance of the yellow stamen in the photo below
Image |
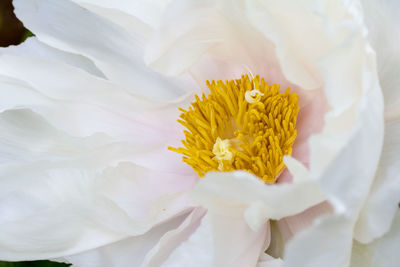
242	124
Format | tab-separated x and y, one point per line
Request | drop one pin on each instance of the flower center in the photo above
243	124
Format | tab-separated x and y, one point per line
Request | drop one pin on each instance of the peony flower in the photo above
299	177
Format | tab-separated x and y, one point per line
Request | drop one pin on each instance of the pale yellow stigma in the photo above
223	153
253	96
242	124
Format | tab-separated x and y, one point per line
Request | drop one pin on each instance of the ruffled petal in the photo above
223	193
149	249
192	30
116	52
331	236
378	211
76	104
61	195
221	241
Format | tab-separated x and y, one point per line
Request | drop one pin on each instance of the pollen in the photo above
242	124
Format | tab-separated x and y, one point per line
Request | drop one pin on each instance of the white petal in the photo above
130	23
377	214
221	241
116	52
191	30
327	244
345	155
197	251
223	193
83	105
62	195
32	46
382	19
292	225
382	203
381	252
171	240
64	213
268	261
347	185
140	250
149	12
75	100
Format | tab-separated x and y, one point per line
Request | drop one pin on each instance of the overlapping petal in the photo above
94	144
341	65
115	51
64	194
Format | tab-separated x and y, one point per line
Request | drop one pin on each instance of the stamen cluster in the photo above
243	124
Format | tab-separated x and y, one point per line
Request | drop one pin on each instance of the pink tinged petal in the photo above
383	251
297	58
141	128
167	50
292	225
331	236
115	52
328	243
220	33
353	130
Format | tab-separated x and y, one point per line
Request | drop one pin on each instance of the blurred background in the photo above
12	32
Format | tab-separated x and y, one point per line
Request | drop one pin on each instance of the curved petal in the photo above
191	30
298	57
114	51
75	103
292	225
77	193
223	193
83	105
383	24
149	12
382	251
331	237
220	241
377	214
34	47
379	209
143	250
268	261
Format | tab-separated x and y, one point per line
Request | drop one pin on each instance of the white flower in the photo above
85	173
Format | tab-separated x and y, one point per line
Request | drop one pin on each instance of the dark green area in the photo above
25	36
33	264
